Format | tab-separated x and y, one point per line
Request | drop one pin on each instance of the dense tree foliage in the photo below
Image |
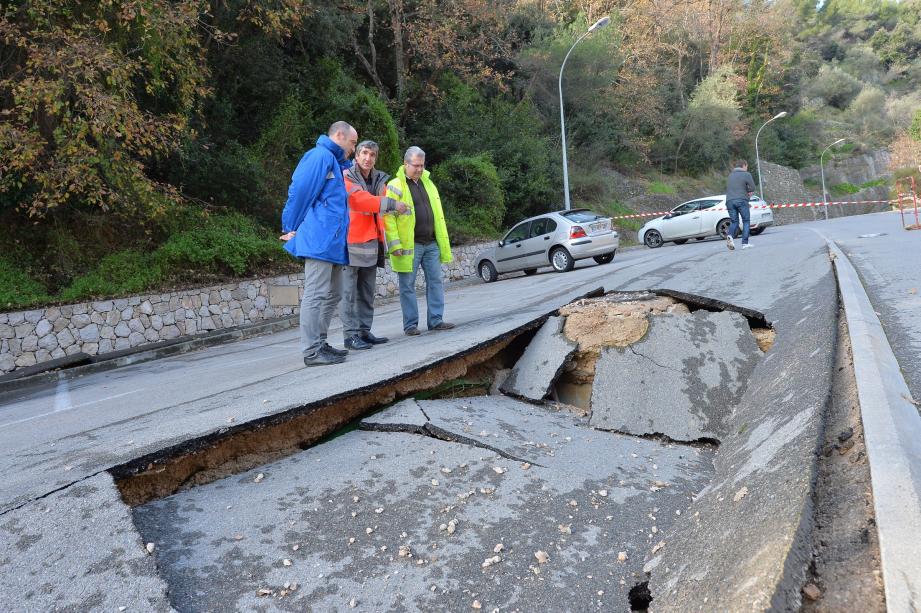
133	133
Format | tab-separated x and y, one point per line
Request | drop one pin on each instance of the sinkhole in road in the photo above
481	478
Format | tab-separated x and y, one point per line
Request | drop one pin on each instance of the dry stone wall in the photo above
31	337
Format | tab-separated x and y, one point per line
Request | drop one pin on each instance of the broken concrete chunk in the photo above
542	363
404	416
682	380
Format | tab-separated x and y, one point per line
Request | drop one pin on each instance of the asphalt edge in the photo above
147	353
892	433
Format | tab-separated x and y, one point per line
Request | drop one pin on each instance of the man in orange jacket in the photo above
367	188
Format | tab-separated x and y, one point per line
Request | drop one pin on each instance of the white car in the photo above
699	219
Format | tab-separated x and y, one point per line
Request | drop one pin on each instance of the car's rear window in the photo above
581	216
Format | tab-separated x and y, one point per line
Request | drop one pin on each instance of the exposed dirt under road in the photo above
846	565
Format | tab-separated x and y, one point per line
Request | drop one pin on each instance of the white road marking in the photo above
68	407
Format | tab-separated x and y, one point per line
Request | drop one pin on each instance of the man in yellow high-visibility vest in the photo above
419	239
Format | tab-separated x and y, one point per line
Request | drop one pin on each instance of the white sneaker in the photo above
747	246
731	245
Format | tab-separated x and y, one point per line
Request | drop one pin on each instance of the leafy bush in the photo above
220	244
701	135
464	122
629	225
660	187
843	189
915	130
472	196
17	288
125	272
874	183
834	86
344	98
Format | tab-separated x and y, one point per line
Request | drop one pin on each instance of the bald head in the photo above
344	135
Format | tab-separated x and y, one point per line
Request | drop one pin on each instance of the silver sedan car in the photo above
556	239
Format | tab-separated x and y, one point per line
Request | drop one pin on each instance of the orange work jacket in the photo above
365	220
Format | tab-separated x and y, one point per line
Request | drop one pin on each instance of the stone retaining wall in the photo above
31	337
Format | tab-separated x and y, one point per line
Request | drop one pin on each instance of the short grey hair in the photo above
367	144
340	126
413	152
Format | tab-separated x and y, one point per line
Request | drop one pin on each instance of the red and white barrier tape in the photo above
768	206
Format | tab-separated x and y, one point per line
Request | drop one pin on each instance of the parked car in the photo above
699	219
556	239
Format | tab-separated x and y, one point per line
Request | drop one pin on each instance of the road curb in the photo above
146	353
892	431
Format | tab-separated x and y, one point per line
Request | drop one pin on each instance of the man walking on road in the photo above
739	188
315	222
366	249
419	238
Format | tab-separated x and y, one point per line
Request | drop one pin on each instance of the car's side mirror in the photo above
669	216
501	243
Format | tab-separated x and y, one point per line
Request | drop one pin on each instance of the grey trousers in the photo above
357	308
322	291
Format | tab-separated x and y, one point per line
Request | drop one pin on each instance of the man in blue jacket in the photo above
315	223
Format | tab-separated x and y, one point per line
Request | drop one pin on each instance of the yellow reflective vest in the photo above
400	229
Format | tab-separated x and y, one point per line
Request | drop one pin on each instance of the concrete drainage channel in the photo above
555	467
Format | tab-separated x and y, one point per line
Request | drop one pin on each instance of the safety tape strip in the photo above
768	206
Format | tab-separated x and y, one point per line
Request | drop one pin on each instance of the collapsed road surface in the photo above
743	543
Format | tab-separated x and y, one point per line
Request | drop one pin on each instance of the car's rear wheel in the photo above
756	231
681	241
604	259
722	228
652	239
488	272
561	260
530	271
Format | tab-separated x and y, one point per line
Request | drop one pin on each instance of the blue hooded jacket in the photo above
317	206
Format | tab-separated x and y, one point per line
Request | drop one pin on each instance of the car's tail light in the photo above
577	232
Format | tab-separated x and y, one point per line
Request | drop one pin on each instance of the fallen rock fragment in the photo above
812	591
542	557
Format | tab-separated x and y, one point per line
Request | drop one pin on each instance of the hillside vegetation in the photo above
150	143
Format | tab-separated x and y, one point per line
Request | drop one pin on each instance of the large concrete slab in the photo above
82	553
352	505
404	416
746	544
541	364
683	379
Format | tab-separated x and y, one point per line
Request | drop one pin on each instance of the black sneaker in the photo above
374	340
330	349
357	343
323	358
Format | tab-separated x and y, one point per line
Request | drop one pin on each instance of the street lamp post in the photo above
598	24
822	169
757	157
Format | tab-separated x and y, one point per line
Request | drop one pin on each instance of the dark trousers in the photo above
357	308
739	208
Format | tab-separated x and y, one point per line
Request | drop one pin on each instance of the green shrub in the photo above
630	226
472	196
660	187
874	183
17	287
124	272
843	189
345	98
220	244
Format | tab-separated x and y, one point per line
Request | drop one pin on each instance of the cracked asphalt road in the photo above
342	512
